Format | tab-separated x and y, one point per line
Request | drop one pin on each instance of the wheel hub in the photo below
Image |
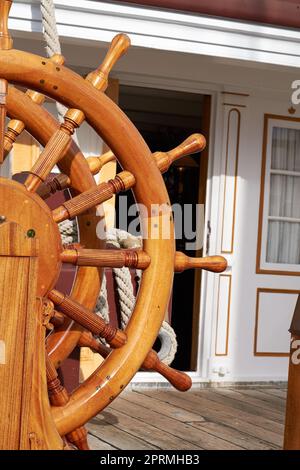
35	218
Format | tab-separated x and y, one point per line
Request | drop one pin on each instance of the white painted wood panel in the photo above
223	315
274	315
230	179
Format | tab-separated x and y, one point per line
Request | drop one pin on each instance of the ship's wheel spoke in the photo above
193	144
178	379
15	127
59	396
3	94
70	318
58	183
97	163
6	43
87	319
50	156
91	198
57	319
214	264
59	142
134	259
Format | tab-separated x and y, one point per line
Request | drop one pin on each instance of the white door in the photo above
258	230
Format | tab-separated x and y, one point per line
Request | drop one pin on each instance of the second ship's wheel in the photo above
24	204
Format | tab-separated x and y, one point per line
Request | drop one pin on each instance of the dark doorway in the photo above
165	118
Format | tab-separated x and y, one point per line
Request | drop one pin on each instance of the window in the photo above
279	227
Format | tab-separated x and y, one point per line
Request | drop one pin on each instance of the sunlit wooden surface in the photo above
221	418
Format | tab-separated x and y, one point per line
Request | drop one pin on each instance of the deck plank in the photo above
235	436
166	409
117	437
97	444
147	432
236	418
276	392
201	405
193	436
269	401
240	402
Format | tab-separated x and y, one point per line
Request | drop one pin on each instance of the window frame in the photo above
262	266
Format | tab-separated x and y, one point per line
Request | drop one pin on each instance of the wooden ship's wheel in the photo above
36	411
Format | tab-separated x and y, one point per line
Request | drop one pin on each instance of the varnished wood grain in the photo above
26	422
88	319
135	259
5	37
126	143
15	127
179	380
151	302
34	216
3	94
93	197
87	284
215	264
193	144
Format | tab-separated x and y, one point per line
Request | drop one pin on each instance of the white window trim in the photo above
277	268
154	28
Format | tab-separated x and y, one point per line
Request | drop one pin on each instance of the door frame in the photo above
208	283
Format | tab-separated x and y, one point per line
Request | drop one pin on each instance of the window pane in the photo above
285	149
283	242
285	196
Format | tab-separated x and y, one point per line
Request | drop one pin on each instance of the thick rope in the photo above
69	231
116	238
52	39
121	239
50	28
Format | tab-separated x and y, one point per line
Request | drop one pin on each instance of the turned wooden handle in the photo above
58	396
94	196
3	94
97	163
58	319
193	144
178	379
215	264
135	259
5	38
88	319
79	438
99	77
51	154
15	127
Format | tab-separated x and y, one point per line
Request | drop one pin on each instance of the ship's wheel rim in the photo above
134	155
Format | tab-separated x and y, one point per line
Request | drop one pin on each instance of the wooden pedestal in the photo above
25	416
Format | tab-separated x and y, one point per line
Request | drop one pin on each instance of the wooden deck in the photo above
214	418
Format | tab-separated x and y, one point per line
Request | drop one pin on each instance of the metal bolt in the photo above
2	219
31	233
